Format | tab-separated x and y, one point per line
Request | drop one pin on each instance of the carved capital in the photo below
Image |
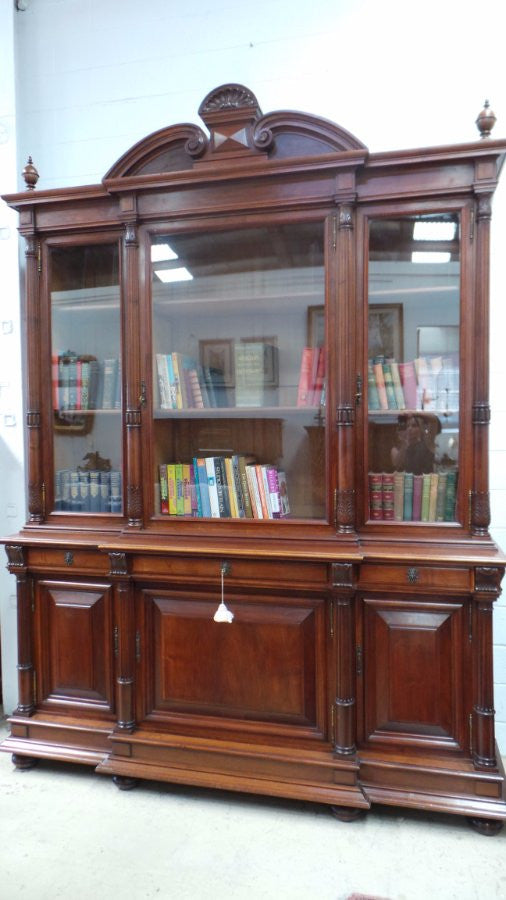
484	208
342	575
131	235
481	414
15	555
31	246
35	502
487	580
119	563
345	216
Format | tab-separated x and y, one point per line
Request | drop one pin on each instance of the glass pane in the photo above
413	368
86	378
239	373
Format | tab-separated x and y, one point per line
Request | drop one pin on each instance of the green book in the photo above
441	497
425	497
389	386
451	496
408	496
372	390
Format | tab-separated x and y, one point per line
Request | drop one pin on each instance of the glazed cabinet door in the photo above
74	647
264	674
414	665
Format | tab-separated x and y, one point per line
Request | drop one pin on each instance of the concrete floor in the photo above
68	833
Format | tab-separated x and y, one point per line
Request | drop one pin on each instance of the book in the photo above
433	496
196	510
451	495
232	493
283	494
375	495
187	495
389	386
222	487
408	496
256	504
387	495
396	379
417	498
319	376
398	496
163	381
261	491
164	490
178	469
441	496
305	388
249	360
171	488
177	386
213	487
380	384
273	489
372	390
246	498
109	389
407	375
202	485
238	490
425	497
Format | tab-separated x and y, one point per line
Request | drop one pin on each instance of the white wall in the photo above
94	76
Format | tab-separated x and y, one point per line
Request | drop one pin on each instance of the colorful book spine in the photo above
273	488
305	388
407	375
398	496
372	390
425	497
451	496
441	496
388	496
187	494
203	486
171	488
389	386
408	496
375	495
213	487
433	496
248	510
164	491
380	384
396	379
417	498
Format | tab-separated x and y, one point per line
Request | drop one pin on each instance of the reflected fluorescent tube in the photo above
162	252
170	275
430	257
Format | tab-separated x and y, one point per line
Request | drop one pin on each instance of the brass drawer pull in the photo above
412	575
69	558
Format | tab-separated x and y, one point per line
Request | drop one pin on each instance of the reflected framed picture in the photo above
385	330
217	355
315	326
437	340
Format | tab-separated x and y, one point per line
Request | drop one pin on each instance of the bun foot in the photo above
23	763
488	827
124	783
347	813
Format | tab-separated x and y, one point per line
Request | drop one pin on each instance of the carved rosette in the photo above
481	414
345	510
480	511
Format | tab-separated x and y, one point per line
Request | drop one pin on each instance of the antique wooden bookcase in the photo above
258	381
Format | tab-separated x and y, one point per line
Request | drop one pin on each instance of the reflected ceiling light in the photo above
170	275
162	252
434	231
428	257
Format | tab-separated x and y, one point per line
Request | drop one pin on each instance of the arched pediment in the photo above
236	128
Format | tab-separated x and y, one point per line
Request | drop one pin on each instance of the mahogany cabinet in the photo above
257	553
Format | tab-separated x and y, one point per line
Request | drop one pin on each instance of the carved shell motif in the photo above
231	96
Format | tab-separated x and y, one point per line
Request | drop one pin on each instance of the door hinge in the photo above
331	618
359	660
34	686
334	232
116	640
335	508
32	592
39	258
471	227
138	646
470	732
333	722
470	623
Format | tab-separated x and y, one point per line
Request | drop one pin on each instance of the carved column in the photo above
33	418
17	566
345	368
135	391
487	590
345	714
480	498
124	641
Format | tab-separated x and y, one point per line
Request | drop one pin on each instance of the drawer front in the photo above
241	571
68	560
375	575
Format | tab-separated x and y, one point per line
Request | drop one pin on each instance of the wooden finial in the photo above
30	175
485	121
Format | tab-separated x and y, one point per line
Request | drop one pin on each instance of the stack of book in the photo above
81	383
80	490
425	383
404	497
311	386
223	487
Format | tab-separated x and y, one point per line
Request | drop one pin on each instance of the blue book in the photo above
203	487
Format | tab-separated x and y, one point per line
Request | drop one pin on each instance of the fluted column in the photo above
33	417
124	641
487	590
344	631
480	498
135	391
345	371
17	566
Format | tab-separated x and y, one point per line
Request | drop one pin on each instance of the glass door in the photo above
86	378
413	368
239	369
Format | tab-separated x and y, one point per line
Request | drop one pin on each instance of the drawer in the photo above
251	571
68	560
397	577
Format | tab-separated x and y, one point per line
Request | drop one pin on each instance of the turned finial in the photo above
30	175
485	121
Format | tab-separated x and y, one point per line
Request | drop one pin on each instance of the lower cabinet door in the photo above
74	646
264	672
415	671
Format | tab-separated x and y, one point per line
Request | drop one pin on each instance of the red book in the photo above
387	494
408	381
319	377
305	388
376	495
